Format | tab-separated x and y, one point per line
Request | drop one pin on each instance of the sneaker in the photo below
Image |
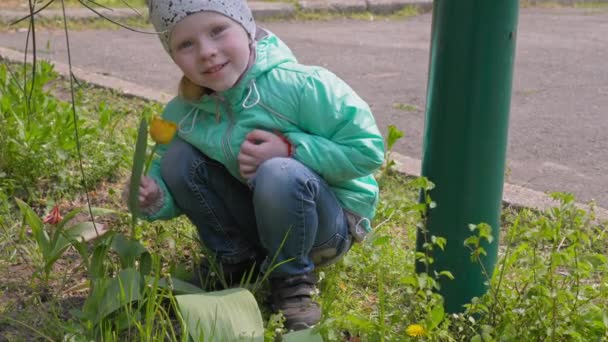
292	296
221	276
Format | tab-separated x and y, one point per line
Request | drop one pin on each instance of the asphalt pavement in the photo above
558	137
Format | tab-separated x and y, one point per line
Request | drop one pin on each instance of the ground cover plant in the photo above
551	277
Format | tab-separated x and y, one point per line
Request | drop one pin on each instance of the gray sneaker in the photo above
292	296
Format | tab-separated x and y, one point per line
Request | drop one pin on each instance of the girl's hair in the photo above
189	90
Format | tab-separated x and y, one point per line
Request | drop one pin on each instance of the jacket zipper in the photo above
277	114
228	153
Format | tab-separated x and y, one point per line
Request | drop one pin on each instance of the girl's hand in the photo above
149	192
258	147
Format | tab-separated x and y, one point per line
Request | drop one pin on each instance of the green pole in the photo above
465	140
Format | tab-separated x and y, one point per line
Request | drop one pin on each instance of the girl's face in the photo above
211	49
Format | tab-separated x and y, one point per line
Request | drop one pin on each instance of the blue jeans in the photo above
285	203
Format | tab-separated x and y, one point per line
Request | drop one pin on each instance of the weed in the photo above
38	154
406	107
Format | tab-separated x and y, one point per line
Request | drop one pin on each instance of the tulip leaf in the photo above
139	158
110	295
228	315
63	239
128	250
177	286
36	225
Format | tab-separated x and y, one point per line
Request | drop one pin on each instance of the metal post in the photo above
465	141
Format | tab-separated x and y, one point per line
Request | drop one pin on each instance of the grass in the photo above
406	107
141	22
23	4
556	4
404	13
552	274
93	23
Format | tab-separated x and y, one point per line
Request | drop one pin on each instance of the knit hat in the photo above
164	14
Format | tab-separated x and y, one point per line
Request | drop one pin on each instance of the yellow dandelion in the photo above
415	330
162	131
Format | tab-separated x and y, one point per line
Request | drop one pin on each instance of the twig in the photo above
31	15
114	21
75	118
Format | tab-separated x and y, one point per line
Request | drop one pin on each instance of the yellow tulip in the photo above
162	131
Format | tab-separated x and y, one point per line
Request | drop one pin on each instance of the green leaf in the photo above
120	291
471	241
306	335
228	315
68	217
177	286
145	264
63	241
128	250
97	267
139	159
447	274
381	240
360	322
36	225
436	316
394	134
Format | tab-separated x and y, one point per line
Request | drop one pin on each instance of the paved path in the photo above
559	114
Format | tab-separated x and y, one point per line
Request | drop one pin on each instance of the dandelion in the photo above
162	132
53	217
415	330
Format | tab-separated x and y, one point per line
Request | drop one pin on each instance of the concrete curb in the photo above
513	195
127	88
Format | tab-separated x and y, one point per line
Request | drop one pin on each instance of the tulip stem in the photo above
149	161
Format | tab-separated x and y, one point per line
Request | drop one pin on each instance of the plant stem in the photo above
149	161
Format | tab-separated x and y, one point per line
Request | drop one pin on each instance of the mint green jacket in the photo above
331	128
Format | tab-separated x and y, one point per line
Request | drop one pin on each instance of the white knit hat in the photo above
164	14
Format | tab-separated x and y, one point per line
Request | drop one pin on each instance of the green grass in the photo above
556	4
591	5
95	23
404	13
141	22
552	275
23	4
406	107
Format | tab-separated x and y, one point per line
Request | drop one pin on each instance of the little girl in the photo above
272	158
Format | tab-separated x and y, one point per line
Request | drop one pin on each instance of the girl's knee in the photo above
283	180
277	173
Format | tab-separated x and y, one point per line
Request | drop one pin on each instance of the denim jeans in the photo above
286	211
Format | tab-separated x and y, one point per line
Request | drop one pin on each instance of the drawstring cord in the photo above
253	89
194	110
